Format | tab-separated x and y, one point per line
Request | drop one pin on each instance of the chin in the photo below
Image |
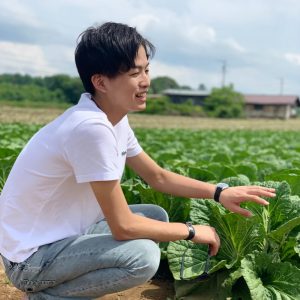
140	107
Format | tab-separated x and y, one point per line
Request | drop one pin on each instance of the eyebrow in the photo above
140	67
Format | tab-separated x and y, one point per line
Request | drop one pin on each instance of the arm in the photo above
169	182
125	225
178	185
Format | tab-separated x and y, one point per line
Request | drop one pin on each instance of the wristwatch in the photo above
191	231
221	186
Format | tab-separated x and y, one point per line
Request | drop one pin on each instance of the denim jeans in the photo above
90	265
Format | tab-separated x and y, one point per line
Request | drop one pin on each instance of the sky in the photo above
256	42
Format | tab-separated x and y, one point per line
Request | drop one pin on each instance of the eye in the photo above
134	73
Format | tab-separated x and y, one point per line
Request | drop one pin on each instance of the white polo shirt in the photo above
47	196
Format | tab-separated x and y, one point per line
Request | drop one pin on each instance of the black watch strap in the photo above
221	186
218	193
191	231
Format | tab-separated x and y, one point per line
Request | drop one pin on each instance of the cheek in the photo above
126	91
132	92
126	97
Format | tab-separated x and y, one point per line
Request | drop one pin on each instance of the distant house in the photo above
271	106
256	106
180	96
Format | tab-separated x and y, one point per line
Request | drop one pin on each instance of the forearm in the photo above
145	228
139	227
178	185
169	182
126	225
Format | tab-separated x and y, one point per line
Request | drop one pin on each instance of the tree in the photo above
29	92
224	103
57	88
159	84
71	87
16	79
202	87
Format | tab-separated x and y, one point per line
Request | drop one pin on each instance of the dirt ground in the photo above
156	289
9	114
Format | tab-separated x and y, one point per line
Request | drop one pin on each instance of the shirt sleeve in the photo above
91	150
133	146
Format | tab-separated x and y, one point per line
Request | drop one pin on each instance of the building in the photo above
271	106
181	96
256	106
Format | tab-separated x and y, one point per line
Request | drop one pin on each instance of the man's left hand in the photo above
232	197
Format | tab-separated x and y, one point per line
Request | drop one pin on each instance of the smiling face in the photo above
128	91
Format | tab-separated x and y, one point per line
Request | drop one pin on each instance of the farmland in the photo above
240	152
27	115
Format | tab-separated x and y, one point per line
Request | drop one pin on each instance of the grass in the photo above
43	115
154	121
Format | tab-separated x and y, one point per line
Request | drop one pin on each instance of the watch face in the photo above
222	185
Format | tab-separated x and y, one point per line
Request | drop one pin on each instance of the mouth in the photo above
142	95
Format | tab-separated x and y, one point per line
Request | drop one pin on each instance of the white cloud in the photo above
191	38
201	34
233	44
24	58
293	58
143	21
14	11
59	53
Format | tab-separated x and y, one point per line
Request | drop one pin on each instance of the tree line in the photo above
57	88
222	102
62	88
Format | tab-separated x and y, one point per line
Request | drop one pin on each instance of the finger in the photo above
260	192
215	246
244	212
253	198
272	190
258	200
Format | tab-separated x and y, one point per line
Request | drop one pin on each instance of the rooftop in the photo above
249	99
272	99
173	92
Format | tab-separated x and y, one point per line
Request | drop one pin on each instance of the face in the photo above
128	91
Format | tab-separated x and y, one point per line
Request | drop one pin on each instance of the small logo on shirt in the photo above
123	153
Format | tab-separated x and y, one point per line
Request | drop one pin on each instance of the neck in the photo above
112	114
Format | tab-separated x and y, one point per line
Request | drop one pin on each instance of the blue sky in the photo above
258	40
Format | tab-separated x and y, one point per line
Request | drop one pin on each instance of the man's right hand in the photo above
207	235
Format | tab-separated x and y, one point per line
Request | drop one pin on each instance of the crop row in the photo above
259	256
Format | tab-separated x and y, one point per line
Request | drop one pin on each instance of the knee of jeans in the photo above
165	216
147	260
160	213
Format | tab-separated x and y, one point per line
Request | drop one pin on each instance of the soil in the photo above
155	289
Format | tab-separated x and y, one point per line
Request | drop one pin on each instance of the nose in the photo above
145	80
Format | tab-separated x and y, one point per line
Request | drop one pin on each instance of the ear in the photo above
99	83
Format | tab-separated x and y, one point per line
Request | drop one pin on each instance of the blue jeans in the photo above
90	265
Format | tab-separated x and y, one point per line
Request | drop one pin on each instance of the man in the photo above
66	231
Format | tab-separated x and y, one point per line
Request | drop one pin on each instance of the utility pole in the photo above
281	79
224	70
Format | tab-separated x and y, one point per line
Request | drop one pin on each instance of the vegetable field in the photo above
259	256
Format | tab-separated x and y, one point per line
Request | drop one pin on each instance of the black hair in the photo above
108	49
